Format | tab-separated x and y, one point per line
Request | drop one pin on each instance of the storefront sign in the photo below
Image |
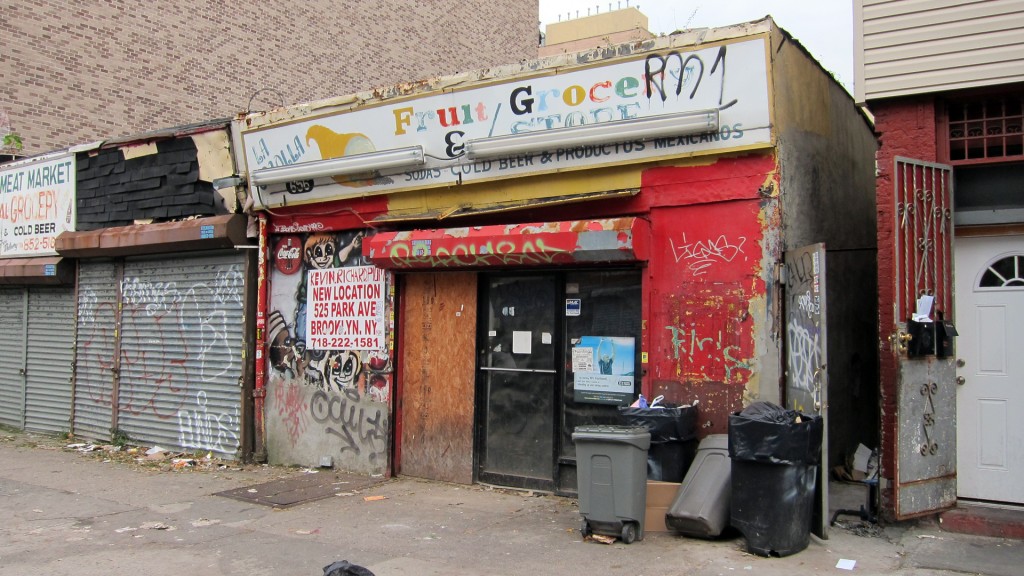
37	202
730	78
603	370
345	308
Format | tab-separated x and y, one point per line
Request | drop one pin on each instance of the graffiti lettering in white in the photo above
177	337
202	429
700	255
804	356
808	304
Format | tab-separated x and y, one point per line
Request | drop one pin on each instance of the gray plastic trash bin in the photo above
701	507
611	472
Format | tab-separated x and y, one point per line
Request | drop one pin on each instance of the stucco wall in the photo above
826	153
323	403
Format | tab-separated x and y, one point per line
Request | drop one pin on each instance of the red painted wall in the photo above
907	128
704	271
707	243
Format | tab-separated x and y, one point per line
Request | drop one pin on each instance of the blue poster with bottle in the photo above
603	369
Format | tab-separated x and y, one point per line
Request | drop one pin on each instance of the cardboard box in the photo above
659	497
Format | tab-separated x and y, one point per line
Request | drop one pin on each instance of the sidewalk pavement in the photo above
85	514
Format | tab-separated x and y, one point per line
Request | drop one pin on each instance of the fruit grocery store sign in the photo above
731	78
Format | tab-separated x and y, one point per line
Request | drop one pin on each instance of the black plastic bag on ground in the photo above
666	424
767	433
344	568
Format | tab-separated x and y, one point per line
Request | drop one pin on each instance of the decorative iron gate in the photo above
924	235
925	472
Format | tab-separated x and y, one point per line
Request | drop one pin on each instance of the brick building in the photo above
78	71
127	282
945	84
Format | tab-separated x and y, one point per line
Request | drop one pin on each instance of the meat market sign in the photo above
730	78
37	203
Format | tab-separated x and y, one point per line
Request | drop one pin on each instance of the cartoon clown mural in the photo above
326	398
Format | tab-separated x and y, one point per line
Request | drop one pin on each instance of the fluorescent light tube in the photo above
664	125
353	164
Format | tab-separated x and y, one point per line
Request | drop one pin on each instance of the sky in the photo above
824	27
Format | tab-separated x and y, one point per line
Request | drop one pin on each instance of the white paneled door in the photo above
990	397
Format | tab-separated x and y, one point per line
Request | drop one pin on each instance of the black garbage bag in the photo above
673	438
768	433
666	422
344	568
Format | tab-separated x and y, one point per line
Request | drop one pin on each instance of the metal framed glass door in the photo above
518	381
557	350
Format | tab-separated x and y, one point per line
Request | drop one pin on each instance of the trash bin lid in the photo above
635	435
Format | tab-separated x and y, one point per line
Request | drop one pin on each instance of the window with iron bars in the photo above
983	129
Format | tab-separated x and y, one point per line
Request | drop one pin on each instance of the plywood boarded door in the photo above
438	359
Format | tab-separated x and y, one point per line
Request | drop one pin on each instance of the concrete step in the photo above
984	520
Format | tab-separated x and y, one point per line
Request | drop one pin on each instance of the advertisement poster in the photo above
345	308
603	369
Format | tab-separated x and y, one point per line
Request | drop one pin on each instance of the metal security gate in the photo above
181	352
36	334
49	355
165	337
12	360
95	352
807	355
926	395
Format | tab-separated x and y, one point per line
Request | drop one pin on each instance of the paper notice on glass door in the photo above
522	342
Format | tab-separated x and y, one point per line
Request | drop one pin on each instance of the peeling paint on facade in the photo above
699	236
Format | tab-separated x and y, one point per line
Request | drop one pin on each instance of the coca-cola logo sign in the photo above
288	254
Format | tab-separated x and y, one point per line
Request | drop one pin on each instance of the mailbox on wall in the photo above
930	338
944	333
922	338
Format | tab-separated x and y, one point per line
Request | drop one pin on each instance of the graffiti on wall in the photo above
95	342
327	391
804	328
200	428
702	254
474	252
178	345
703	351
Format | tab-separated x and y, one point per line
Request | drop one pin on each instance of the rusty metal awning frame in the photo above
620	240
43	270
215	232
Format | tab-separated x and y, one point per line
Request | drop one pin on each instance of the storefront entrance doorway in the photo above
556	350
